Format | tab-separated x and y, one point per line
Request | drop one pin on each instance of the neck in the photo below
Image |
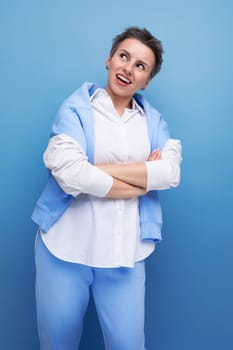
120	103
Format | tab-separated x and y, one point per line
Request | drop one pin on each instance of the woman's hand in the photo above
155	155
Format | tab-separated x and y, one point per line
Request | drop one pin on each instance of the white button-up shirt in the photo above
97	231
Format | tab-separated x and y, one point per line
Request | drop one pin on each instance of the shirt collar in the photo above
101	92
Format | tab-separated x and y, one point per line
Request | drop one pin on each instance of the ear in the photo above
108	62
146	84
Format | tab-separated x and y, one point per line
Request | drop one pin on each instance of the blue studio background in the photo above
48	48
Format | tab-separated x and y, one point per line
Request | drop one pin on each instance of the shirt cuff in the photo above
158	175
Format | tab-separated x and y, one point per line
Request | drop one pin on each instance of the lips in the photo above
123	79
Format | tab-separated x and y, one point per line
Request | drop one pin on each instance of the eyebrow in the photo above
140	61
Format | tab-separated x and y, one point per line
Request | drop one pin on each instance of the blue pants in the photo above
62	295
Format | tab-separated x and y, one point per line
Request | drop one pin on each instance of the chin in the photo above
123	91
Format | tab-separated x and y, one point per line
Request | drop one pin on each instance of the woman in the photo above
99	214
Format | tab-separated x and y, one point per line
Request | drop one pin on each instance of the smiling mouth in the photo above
123	79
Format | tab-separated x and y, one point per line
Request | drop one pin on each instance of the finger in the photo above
156	154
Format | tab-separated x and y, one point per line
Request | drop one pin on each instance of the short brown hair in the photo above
147	39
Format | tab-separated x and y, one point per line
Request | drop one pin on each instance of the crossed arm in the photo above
129	180
71	169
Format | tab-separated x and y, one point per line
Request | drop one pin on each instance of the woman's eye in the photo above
123	56
141	66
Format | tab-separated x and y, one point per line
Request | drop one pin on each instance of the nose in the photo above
128	68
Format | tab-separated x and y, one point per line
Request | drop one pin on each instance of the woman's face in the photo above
129	69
